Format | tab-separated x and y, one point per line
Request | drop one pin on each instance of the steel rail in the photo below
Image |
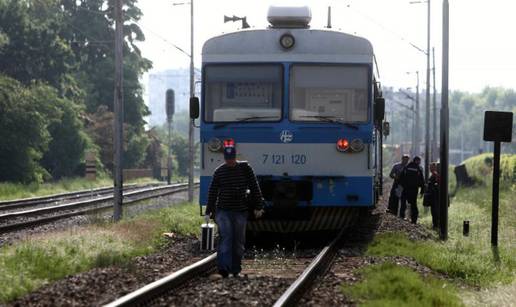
7	204
160	286
304	282
21	225
80	204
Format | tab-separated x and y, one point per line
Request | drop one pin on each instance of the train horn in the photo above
227	18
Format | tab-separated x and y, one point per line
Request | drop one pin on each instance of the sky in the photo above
482	35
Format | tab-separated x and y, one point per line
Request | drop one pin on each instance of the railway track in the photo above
308	274
27	218
15	204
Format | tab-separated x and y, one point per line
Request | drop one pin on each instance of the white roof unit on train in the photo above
289	17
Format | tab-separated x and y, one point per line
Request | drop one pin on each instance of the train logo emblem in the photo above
286	136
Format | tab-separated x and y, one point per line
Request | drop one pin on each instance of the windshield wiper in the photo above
331	119
244	119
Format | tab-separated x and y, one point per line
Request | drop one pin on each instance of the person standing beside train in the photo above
411	179
394	197
233	193
432	193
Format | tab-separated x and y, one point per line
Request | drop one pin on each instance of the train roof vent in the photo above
289	17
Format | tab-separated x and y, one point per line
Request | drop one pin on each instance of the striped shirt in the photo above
229	189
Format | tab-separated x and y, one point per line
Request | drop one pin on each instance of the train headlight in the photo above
342	145
215	145
357	145
287	41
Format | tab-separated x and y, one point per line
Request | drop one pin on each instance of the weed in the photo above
458	259
390	285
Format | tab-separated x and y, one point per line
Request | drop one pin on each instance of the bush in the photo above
481	169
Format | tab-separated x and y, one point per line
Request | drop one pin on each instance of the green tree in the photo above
91	35
69	141
23	131
56	147
179	146
466	118
68	44
134	152
32	46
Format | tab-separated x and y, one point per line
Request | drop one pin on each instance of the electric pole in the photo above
191	151
427	115
434	130
443	185
170	109
119	112
416	138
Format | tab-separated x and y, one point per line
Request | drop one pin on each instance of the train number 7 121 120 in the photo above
284	159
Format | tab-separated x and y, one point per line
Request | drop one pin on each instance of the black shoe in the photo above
236	275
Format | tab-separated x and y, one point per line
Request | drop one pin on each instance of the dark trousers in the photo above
394	201
231	247
410	196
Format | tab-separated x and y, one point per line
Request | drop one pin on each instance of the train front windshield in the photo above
235	93
322	92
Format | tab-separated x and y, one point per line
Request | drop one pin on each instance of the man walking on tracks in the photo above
233	194
394	197
411	179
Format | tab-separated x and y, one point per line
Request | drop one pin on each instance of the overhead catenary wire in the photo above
163	39
386	29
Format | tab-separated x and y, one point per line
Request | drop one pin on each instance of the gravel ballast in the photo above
103	285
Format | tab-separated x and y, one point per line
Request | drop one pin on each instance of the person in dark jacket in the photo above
432	193
233	189
396	170
411	179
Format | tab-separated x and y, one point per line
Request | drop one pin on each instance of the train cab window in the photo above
247	93
329	93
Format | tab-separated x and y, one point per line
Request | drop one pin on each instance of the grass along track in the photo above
39	260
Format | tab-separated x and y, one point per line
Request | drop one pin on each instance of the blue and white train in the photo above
304	108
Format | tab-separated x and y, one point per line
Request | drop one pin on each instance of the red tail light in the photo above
229	142
342	145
